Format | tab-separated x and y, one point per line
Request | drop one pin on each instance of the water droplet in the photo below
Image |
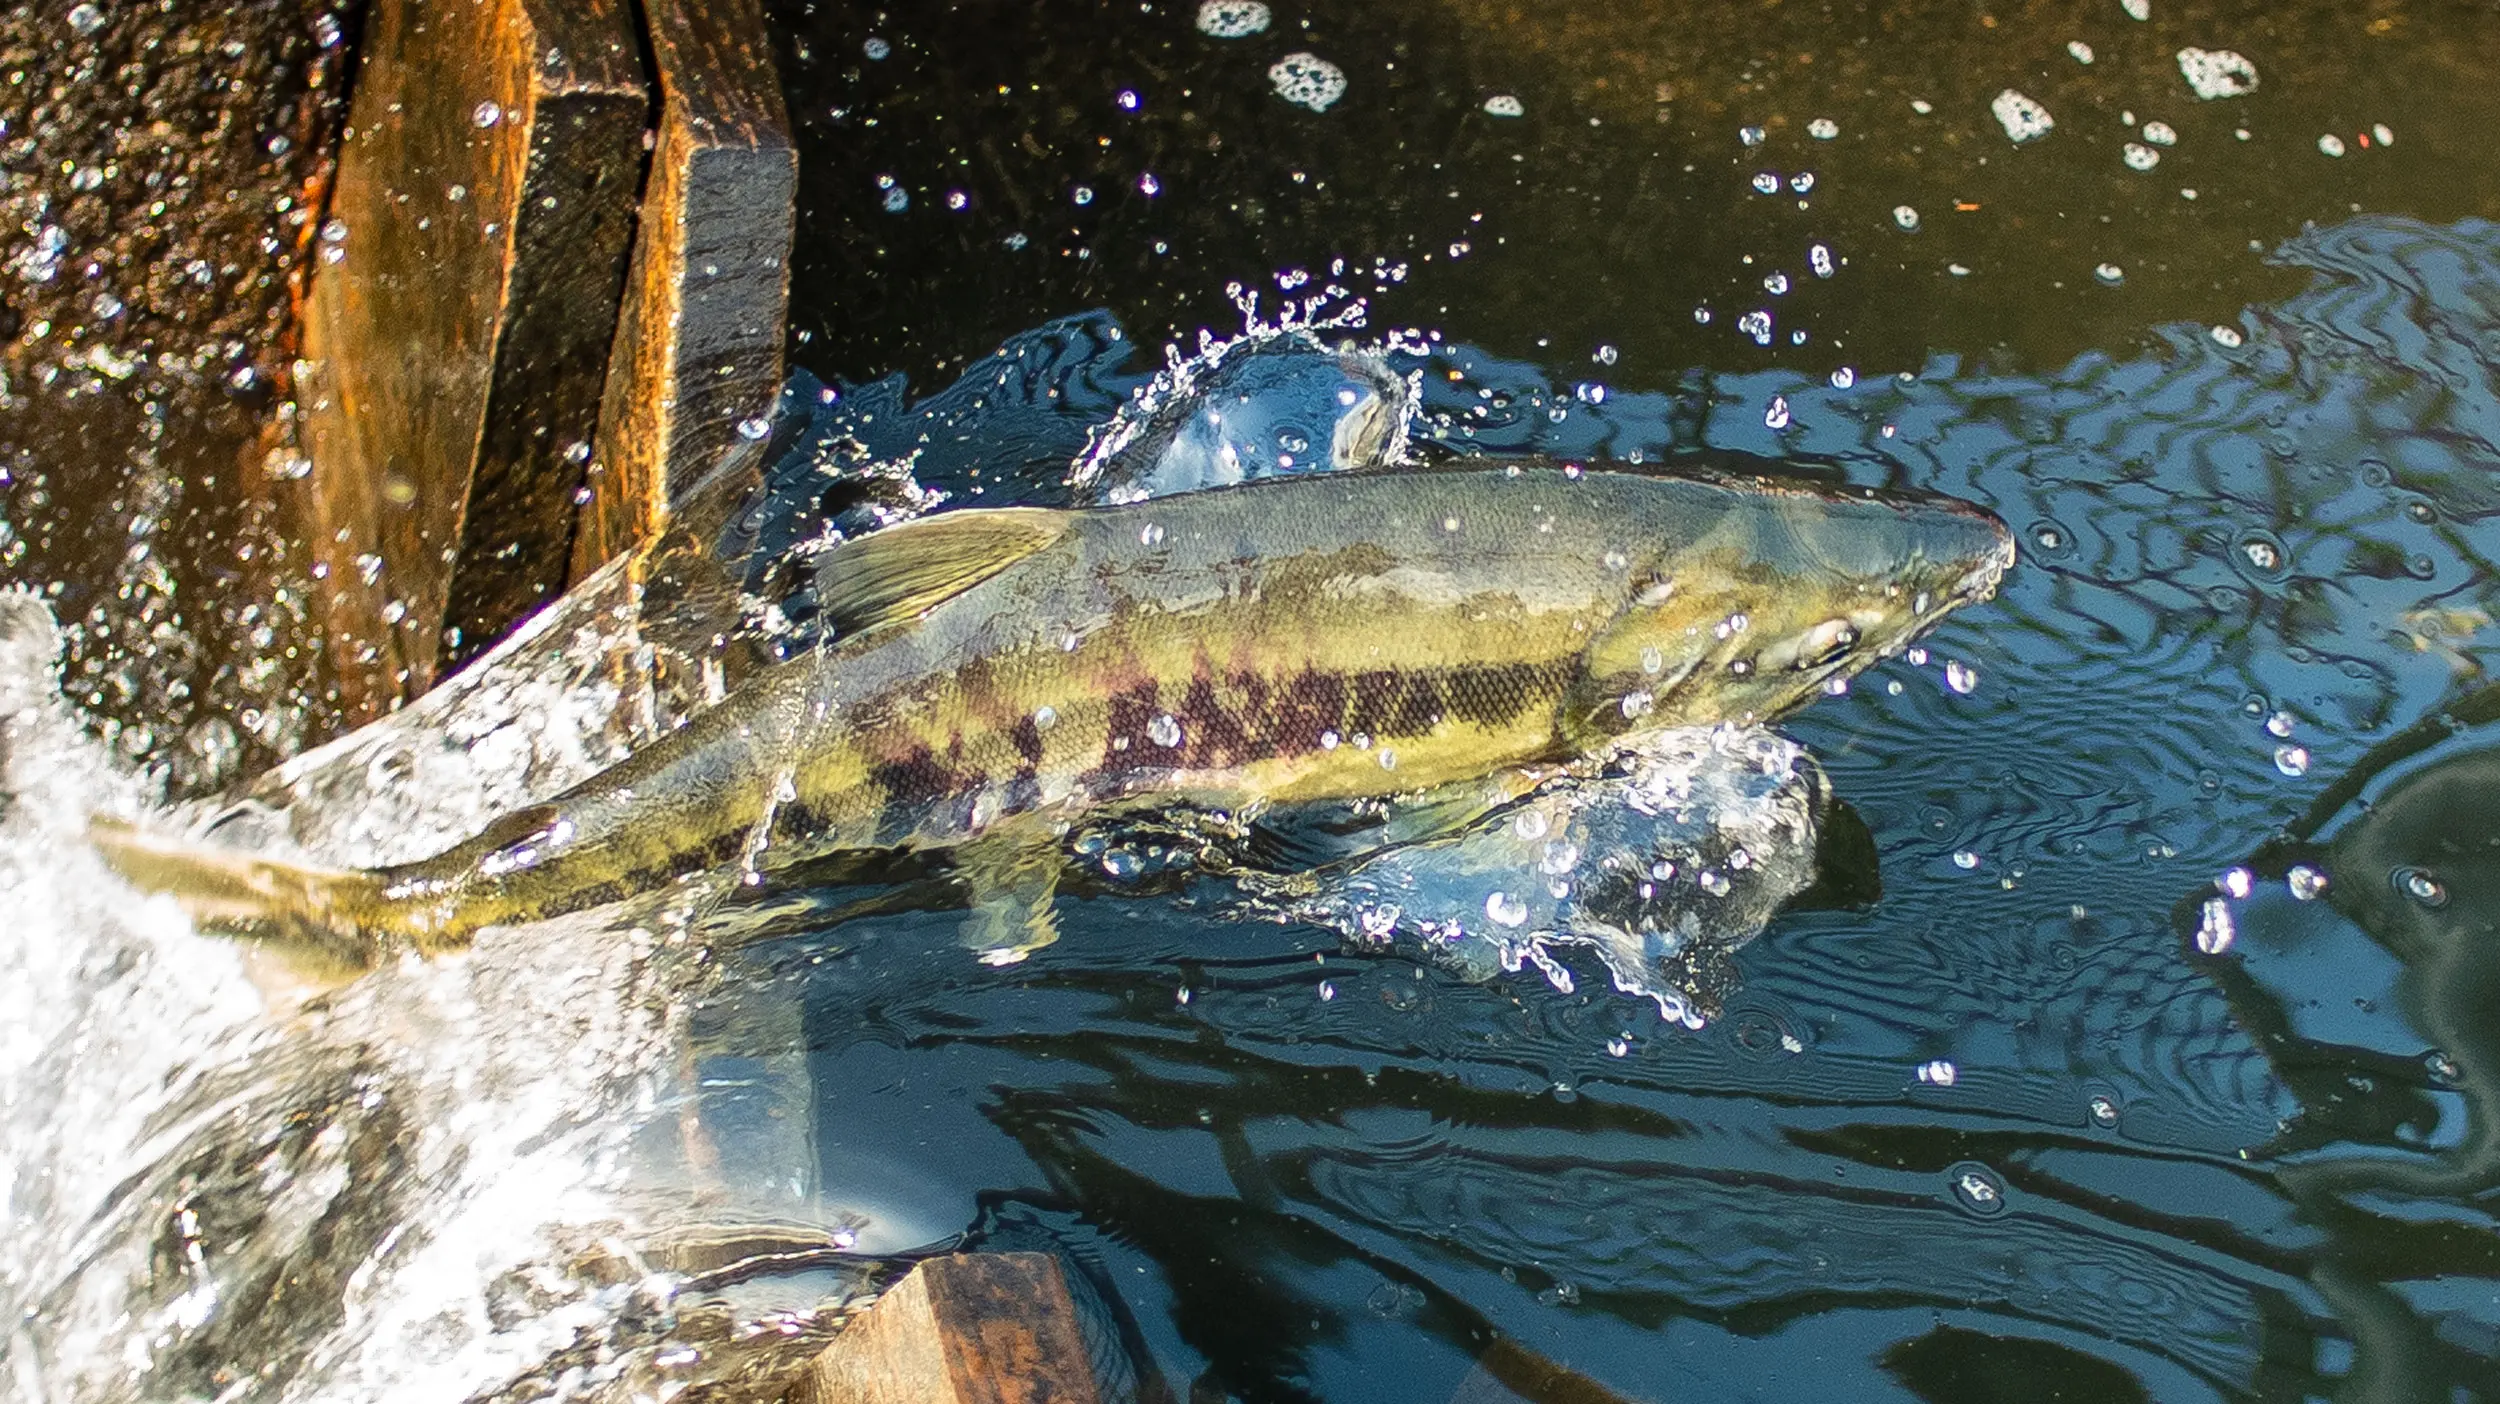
2280	725
2138	156
1922	106
1776	284
2442	1068
1504	105
2104	1111
1233	19
2215	931
85	19
486	114
2079	51
2137	10
2306	882
1822	129
2161	134
1148	186
1801	182
897	200
2238	882
2023	119
754	428
1619	1045
876	49
1329	740
1529	823
1083	195
1939	1073
2292	760
2216	73
1756	325
2110	273
2331	144
1307	80
1843	378
1164	730
2421	886
1045	717
1776	417
1750	136
1388	759
2384	137
1960	676
1965	859
1151	534
1637	704
1766	183
1327	990
1977	1188
2228	337
1905	216
1560	857
1502	909
1819	258
1714	882
1701	315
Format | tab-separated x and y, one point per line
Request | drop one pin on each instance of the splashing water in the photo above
1663	865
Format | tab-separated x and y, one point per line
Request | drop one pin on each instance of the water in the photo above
2027	1115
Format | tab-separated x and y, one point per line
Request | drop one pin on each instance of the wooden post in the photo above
975	1328
456	342
698	350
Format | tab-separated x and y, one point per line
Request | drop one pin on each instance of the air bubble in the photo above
876	49
1776	417
2280	725
1714	882
1756	324
485	114
2215	931
1843	378
1819	258
1164	730
1822	129
2292	760
754	428
1905	216
1750	136
2228	337
1504	105
2138	156
1776	285
2110	273
2104	1111
1939	1072
1766	182
2306	882
2079	51
1965	859
1960	676
2331	144
2161	134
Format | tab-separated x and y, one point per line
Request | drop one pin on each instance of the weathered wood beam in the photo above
975	1328
699	347
456	348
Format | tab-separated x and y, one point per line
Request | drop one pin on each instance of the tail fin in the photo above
327	912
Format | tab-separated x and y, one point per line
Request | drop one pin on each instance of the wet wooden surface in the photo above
455	352
700	343
974	1328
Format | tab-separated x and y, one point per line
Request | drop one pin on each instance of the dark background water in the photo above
2255	484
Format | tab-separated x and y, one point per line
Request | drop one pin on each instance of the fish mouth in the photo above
1980	581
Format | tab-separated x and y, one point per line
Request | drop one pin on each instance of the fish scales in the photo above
1313	638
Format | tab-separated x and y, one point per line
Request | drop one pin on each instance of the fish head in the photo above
1787	590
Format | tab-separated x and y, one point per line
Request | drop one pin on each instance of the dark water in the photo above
2090	1105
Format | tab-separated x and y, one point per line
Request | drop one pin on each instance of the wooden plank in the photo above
975	1328
699	346
456	348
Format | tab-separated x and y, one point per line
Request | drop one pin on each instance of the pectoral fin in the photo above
892	576
1011	879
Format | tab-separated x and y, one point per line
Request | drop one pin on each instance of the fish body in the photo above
1002	671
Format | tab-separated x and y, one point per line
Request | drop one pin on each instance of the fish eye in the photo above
1827	642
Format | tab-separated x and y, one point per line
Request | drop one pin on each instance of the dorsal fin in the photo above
891	576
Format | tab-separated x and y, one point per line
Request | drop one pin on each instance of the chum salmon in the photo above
997	674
